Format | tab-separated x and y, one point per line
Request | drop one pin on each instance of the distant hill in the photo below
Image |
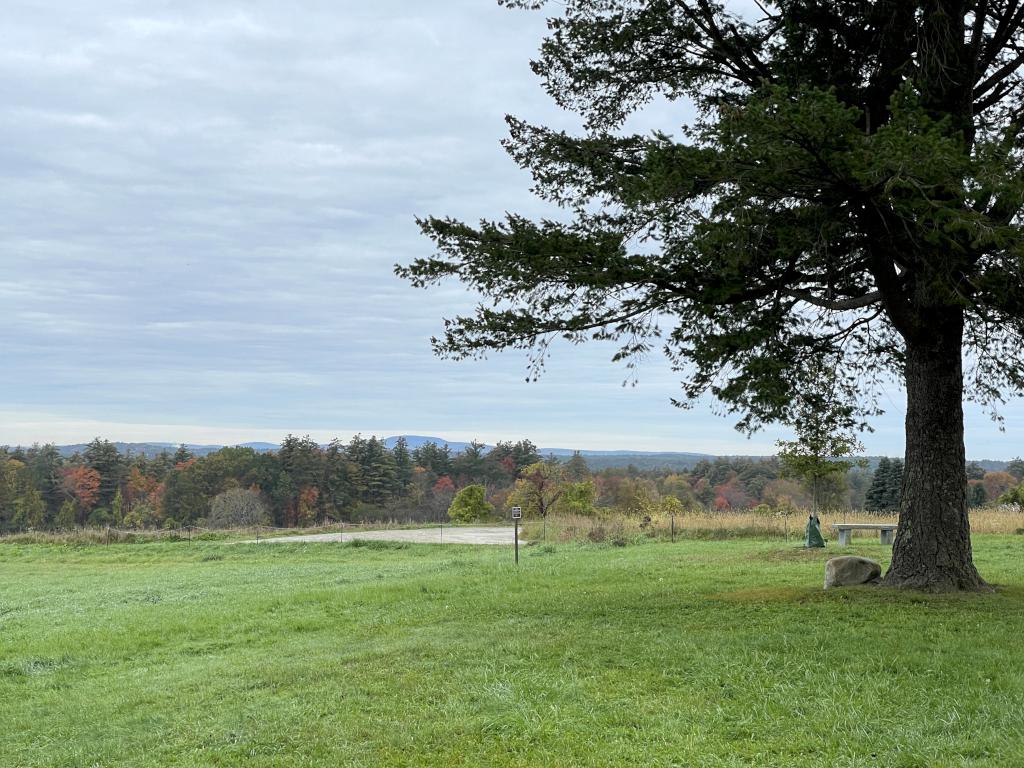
596	460
154	449
416	441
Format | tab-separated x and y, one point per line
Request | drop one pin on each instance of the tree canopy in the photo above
848	195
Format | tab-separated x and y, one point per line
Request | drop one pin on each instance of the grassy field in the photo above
698	653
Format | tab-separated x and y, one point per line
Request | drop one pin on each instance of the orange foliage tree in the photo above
83	485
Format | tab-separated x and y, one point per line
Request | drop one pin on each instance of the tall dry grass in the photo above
617	528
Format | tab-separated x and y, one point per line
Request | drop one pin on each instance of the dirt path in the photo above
443	535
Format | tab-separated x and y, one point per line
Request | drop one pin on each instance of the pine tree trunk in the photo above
932	549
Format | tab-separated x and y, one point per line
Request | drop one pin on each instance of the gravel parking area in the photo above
445	535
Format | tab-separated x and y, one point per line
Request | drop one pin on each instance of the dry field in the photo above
624	529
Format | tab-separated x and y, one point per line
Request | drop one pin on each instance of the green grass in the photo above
693	654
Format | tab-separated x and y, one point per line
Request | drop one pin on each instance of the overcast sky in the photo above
202	204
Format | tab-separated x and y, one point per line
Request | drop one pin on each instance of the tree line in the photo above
304	483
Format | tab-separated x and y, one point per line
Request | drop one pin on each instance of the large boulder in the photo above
850	570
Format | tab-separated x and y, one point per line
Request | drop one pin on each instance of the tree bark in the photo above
932	549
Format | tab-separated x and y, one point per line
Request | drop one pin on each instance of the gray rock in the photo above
849	570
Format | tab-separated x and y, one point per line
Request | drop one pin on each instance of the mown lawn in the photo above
686	654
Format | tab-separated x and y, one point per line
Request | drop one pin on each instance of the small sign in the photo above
517	513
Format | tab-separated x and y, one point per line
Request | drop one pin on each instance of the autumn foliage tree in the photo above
470	504
539	487
82	484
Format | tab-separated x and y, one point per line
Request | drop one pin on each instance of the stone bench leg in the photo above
885	537
844	538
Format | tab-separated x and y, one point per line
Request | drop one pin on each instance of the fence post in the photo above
673	529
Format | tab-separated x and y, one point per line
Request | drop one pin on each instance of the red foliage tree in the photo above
83	485
306	507
997	483
444	484
731	495
139	488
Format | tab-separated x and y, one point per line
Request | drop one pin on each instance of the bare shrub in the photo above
236	508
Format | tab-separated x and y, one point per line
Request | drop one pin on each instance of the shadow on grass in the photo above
1004	598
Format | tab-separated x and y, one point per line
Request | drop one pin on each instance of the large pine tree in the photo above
875	498
850	195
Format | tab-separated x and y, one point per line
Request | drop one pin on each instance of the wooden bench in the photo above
885	531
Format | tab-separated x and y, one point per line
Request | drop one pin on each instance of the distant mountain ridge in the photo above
597	459
153	449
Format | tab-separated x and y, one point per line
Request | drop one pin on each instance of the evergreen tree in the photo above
161	465
576	468
185	497
337	492
436	459
886	486
524	454
183	455
515	456
377	472
403	465
976	496
46	465
103	456
301	463
876	499
894	489
468	466
1016	468
850	192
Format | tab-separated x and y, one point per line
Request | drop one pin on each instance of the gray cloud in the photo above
203	201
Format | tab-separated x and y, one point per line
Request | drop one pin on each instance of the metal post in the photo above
517	541
673	529
257	534
442	533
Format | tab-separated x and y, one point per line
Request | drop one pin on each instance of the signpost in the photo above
517	513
